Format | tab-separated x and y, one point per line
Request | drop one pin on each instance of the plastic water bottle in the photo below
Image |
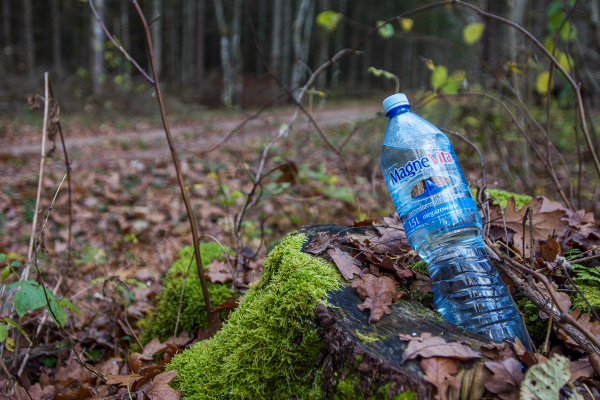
442	224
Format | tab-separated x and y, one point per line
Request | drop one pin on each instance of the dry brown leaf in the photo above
546	221
497	351
125	380
159	388
219	271
347	264
506	379
581	368
422	284
378	294
435	346
154	346
578	218
214	326
439	372
551	249
564	301
595	362
585	320
320	243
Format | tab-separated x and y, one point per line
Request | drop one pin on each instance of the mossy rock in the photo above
298	334
503	196
160	322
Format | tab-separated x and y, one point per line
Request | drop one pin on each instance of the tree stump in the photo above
367	358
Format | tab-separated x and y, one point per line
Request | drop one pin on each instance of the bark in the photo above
288	11
516	13
157	6
353	61
6	26
377	365
324	51
200	41
29	42
125	38
339	44
490	49
276	38
56	43
173	58
236	51
595	20
227	91
261	33
297	39
97	48
187	42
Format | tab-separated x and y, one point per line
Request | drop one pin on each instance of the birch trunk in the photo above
227	93
97	47
236	51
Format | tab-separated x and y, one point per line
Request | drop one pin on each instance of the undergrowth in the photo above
269	339
161	321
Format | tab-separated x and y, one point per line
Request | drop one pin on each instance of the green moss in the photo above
405	396
421	267
270	340
370	338
520	199
593	299
161	321
535	325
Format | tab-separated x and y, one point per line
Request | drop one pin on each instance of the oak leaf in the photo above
428	345
547	221
218	271
581	368
564	301
320	243
506	379
551	249
585	320
439	372
159	388
378	294
347	264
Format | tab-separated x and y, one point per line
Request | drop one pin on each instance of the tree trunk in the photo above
288	11
157	6
227	93
173	63
261	36
187	42
29	42
353	61
595	20
276	38
236	51
339	44
308	23
97	47
298	23
200	41
125	38
6	26
324	53
56	44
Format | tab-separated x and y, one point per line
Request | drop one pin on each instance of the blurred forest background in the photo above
255	167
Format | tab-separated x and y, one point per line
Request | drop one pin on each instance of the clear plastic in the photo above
443	225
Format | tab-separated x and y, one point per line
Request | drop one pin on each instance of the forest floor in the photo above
129	223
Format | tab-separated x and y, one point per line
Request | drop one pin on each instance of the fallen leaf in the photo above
506	379
551	249
578	218
320	243
595	362
378	294
125	380
546	222
159	388
435	346
564	301
544	381
585	320
218	271
438	371
422	284
214	326
154	346
497	351
347	264
581	368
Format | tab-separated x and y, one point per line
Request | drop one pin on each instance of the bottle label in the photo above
435	209
431	160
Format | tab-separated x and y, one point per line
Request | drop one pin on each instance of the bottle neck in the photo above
397	110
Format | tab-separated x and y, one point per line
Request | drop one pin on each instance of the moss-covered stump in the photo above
298	334
161	321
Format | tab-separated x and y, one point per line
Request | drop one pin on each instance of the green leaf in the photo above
15	325
555	21
2	257
544	381
57	310
472	32
386	31
565	61
329	20
3	332
439	77
568	33
376	72
70	306
541	82
29	297
5	273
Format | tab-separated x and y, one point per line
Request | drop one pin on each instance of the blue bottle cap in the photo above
395	100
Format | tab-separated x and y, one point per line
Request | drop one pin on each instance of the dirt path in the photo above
207	133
